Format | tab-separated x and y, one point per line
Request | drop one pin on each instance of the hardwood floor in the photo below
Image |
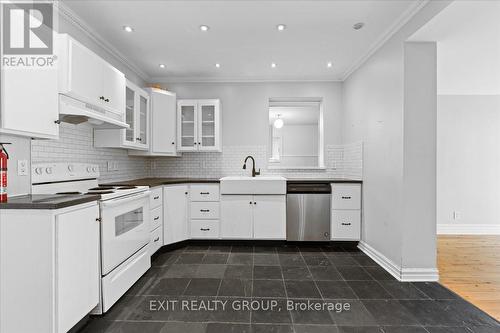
470	266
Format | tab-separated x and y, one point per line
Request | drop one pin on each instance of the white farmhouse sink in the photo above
253	185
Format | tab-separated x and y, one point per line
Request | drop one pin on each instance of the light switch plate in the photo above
22	167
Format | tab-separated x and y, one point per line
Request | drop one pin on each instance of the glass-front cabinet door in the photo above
143	117
187	119
130	116
208	124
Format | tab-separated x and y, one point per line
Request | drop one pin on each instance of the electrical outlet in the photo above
22	167
457	215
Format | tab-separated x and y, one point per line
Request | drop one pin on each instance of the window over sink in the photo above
295	133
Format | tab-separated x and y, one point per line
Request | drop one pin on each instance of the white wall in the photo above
374	113
18	150
468	162
245	106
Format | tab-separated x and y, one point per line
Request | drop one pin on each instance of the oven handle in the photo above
121	201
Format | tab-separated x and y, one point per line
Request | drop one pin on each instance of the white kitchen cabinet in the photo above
136	116
162	124
55	267
253	216
236	216
269	217
199	125
85	76
346	212
29	102
175	213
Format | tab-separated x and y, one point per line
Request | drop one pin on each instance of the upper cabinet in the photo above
162	124
29	104
198	125
85	76
137	110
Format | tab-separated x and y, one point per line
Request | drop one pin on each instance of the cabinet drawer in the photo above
346	196
346	225
205	229
155	198
156	218
204	210
156	240
205	192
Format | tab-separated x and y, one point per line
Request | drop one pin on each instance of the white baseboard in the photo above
468	229
401	274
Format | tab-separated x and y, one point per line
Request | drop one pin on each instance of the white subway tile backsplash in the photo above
76	144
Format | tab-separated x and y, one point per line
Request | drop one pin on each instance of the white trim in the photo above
80	24
468	229
400	22
236	79
401	274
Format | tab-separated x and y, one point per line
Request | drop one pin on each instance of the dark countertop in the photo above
46	201
322	180
153	182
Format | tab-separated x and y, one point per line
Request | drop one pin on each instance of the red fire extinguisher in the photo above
4	156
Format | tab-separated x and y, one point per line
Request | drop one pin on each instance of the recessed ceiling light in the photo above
204	27
329	64
217	65
281	27
162	65
127	28
273	65
358	26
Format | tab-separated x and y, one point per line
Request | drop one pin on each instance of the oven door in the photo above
124	228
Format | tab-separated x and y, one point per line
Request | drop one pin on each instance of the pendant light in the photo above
278	123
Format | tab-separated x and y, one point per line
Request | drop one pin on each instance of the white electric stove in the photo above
124	218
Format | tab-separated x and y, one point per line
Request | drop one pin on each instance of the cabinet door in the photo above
29	102
208	125
77	253
175	209
346	225
113	88
85	74
130	105
163	122
187	119
269	217
236	216
142	119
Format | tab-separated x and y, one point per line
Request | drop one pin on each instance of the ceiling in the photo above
468	47
243	37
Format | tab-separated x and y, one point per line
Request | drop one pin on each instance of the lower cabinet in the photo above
175	213
49	268
253	216
346	212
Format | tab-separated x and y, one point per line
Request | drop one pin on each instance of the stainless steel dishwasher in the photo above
308	211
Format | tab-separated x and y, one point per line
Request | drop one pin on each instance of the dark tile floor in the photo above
353	295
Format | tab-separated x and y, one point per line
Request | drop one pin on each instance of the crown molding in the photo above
173	79
79	23
393	29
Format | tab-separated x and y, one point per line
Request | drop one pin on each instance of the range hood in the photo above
76	112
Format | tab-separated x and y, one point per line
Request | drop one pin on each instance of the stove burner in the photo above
126	187
74	192
101	188
100	192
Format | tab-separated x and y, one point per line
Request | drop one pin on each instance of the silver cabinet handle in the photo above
156	239
157	197
156	218
204	193
346	198
346	223
205	229
204	210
